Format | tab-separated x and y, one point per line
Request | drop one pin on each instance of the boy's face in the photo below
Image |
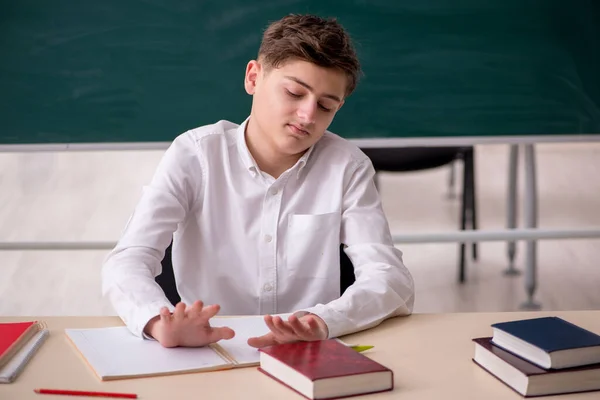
294	104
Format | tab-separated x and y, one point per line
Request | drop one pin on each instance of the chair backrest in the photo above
407	159
166	279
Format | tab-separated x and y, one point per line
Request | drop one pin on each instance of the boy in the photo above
257	212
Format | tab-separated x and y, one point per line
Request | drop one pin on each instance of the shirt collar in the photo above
247	158
304	159
250	163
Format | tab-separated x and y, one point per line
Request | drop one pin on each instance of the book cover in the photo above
13	335
323	359
550	333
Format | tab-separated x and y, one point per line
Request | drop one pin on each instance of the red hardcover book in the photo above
325	369
13	336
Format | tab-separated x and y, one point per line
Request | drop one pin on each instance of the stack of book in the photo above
541	356
18	343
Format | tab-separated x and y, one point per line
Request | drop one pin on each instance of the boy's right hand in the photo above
187	326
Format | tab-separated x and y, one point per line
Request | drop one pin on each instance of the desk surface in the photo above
430	355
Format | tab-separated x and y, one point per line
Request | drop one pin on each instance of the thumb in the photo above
219	333
262	341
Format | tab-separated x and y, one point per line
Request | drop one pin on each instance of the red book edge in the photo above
329	398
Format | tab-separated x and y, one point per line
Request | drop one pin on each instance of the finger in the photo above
216	334
283	326
312	323
301	328
209	311
262	341
165	315
271	325
196	309
190	307
313	327
318	327
179	312
286	332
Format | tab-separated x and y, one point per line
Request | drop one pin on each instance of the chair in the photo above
407	159
166	280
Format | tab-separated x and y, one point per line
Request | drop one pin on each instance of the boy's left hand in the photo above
309	327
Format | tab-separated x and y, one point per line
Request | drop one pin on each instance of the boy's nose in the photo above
306	112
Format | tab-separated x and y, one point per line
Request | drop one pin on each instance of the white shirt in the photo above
258	245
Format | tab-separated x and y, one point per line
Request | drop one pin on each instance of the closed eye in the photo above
292	94
296	96
324	108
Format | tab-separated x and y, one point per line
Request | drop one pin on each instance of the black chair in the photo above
166	280
407	159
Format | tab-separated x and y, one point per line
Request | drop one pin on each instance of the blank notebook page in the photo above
244	328
116	351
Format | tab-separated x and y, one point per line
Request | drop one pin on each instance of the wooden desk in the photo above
430	355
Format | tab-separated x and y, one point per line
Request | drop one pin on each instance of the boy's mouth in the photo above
297	130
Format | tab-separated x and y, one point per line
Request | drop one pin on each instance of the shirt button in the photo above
274	192
267	287
268	238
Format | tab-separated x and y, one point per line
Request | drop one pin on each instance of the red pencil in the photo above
84	393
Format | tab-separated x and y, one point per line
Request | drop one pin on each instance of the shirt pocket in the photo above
312	245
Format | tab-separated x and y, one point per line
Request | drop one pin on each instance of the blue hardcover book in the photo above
549	342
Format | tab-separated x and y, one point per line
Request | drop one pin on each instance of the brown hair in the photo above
323	42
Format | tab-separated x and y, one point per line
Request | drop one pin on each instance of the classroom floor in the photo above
74	196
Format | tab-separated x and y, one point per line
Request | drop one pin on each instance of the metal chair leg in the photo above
451	181
472	196
463	221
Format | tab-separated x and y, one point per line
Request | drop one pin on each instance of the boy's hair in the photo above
323	42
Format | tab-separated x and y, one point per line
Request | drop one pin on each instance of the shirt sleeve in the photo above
129	269
384	287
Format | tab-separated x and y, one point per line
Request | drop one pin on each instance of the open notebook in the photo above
115	353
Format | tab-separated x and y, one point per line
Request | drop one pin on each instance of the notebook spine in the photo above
223	354
28	355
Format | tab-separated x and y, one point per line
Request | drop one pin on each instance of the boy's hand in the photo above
187	327
307	328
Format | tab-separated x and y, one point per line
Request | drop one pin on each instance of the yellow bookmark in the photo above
360	349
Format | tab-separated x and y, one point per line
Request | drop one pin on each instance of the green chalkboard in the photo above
77	71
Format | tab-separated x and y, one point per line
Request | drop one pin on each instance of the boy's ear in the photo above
253	70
